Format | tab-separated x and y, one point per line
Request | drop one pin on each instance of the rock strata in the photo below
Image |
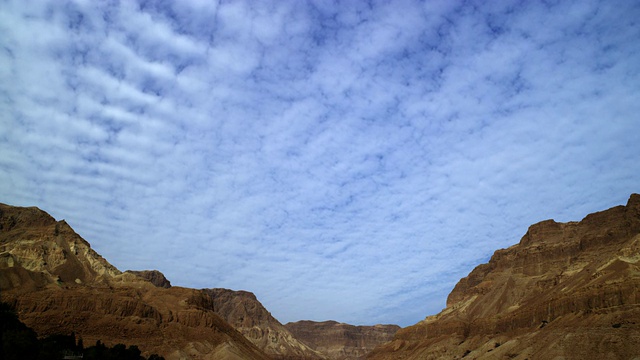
59	285
153	276
565	291
341	341
246	314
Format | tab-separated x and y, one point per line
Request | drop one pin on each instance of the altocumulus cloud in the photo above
342	161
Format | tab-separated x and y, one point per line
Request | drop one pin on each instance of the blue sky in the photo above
347	161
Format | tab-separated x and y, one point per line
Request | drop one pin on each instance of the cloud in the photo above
342	161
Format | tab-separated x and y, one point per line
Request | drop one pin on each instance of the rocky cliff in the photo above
244	312
58	284
36	250
565	291
341	341
153	276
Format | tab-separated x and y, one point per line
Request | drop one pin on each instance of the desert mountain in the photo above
153	276
566	291
341	341
36	250
244	312
59	285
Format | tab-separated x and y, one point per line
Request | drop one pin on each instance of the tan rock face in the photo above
342	341
40	250
244	312
59	285
153	276
170	322
566	291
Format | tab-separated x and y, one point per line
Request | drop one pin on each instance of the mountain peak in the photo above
565	290
153	276
41	251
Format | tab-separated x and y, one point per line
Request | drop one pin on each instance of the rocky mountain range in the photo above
153	276
245	313
59	285
565	291
341	341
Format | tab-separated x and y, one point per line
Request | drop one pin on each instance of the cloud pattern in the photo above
346	161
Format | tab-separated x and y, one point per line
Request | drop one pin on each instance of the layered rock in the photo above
153	276
59	285
566	291
170	322
341	341
36	250
244	312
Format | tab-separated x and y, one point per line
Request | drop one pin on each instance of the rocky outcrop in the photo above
36	250
170	322
341	341
566	291
244	312
153	276
59	285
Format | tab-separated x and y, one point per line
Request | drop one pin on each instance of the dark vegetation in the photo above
20	342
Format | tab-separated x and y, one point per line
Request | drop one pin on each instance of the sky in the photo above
342	160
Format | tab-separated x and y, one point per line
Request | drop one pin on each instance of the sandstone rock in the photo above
163	321
566	291
59	285
39	250
244	312
153	276
342	341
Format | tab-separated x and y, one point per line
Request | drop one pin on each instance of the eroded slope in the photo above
566	291
58	284
341	341
244	312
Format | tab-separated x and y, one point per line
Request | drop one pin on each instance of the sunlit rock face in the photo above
566	291
153	276
60	285
36	250
342	341
244	312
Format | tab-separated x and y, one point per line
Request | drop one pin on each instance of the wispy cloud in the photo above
342	161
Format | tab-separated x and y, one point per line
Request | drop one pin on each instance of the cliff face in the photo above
58	284
36	250
341	341
567	290
246	314
170	322
153	276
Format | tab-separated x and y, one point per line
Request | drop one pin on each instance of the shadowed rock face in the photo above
58	284
341	341
244	312
567	290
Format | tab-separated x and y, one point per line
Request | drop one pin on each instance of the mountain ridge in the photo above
341	341
566	290
59	284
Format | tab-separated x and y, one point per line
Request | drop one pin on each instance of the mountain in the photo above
36	250
59	285
565	291
153	276
246	314
340	341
